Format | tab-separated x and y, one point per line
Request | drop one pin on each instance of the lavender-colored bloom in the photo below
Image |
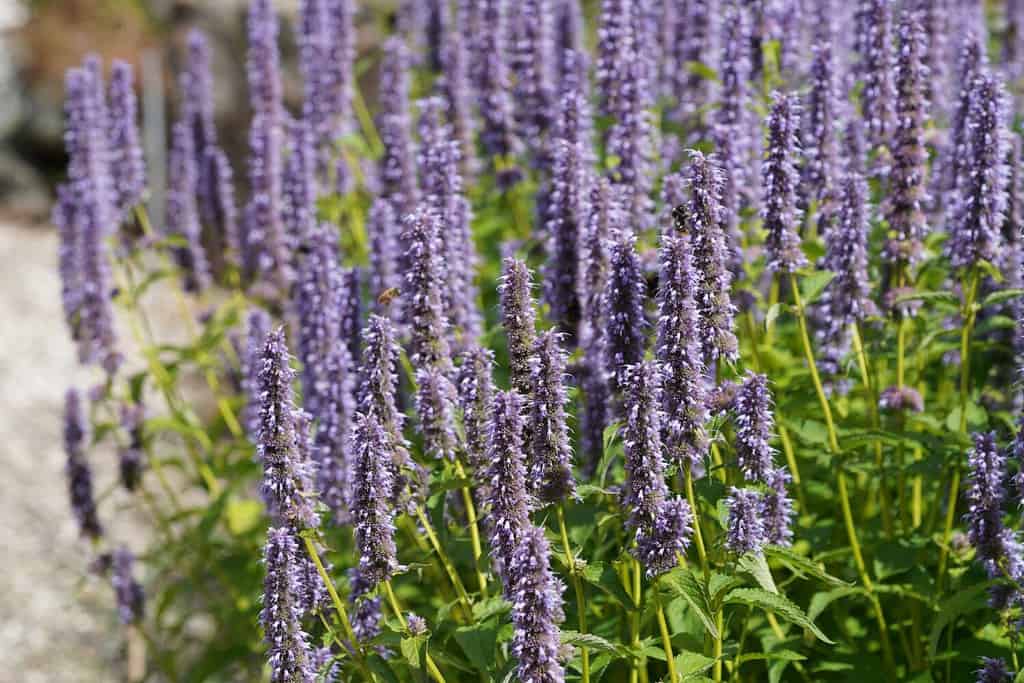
711	256
313	36
317	307
536	597
981	186
897	399
299	187
934	19
196	82
732	130
780	180
986	496
875	67
263	62
378	379
79	474
382	227
615	40
623	304
820	125
679	351
350	310
645	489
281	617
128	592
694	34
752	409
90	209
325	664
658	548
498	135
519	319
424	295
131	457
127	165
971	62
506	499
745	529
367	615
397	169
549	465
993	670
454	86
224	208
778	508
341	62
907	189
265	256
373	516
435	408
569	33
417	625
475	389
182	212
566	215
68	257
534	60
336	408
257	329
287	486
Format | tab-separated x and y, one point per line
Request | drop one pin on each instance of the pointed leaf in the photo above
777	604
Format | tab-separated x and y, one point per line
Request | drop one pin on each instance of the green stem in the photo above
844	494
634	674
720	625
453	575
400	615
474	530
865	373
970	291
666	641
577	584
698	535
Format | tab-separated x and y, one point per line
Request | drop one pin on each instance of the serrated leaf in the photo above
776	655
478	642
692	663
1001	296
821	601
966	601
594	643
683	583
757	566
484	609
802	566
604	577
814	284
939	297
413	650
777	604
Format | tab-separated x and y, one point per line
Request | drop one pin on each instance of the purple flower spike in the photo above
423	292
778	509
336	409
907	189
299	187
397	167
383	228
131	457
993	670
659	547
780	179
550	455
874	48
183	213
341	62
77	469
373	516
971	62
317	300
224	208
257	329
287	486
745	532
536	597
498	135
820	125
981	186
263	63
519	319
127	165
733	127
476	389
986	496
754	426
505	495
131	601
266	259
435	407
623	313
680	354
314	38
711	257
281	617
456	89
645	489
566	215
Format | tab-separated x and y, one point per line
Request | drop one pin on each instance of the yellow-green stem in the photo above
474	530
453	575
865	373
720	625
400	615
638	664
666	642
577	584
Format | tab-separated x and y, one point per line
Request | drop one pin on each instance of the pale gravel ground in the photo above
55	625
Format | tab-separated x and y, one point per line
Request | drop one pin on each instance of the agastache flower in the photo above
367	613
780	180
645	489
373	516
907	191
182	212
993	670
971	62
224	208
335	411
313	35
934	19
693	41
778	508
752	408
534	61
299	187
128	592
318	312
519	319
506	499
680	354
475	389
341	63
875	67
435	408
127	165
287	486
131	456
703	221
569	32
819	125
745	530
615	40
265	256
623	309
981	186
263	62
257	329
732	128
658	548
382	227
281	617
994	543
455	88
566	215
536	597
397	169
498	135
550	454
424	296
79	474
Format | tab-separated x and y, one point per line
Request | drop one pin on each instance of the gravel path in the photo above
55	625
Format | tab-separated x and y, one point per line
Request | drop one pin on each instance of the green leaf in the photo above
413	649
604	577
685	584
814	284
777	604
703	70
757	566
243	515
1002	296
802	566
771	316
479	642
484	609
594	643
966	601
821	601
938	297
777	655
692	663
